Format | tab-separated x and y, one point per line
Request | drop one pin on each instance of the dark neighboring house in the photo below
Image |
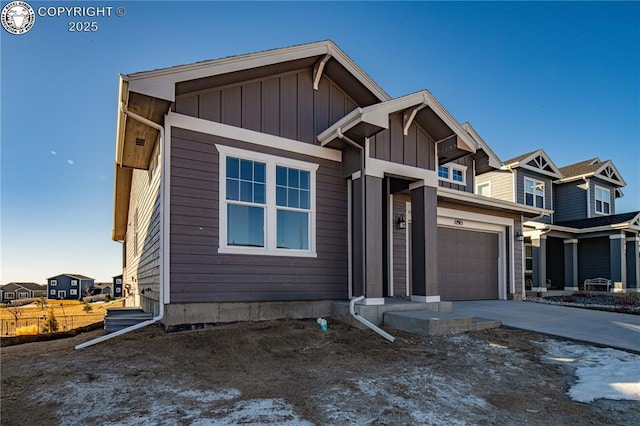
69	286
103	288
273	184
585	238
117	286
15	291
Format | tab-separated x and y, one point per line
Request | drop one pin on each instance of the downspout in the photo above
363	241
366	322
143	120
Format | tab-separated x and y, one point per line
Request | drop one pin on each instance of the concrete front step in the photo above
428	323
375	313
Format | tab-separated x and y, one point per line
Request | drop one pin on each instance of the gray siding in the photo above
142	270
469	187
200	274
593	259
400	246
592	196
416	149
555	263
283	105
521	174
570	201
501	184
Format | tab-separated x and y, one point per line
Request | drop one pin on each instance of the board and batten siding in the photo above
283	105
142	270
501	184
200	274
415	149
570	201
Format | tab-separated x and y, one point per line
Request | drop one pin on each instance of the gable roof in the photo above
622	220
493	160
593	167
537	161
27	286
76	276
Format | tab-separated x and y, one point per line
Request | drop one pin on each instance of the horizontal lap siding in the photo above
570	201
283	105
200	274
501	184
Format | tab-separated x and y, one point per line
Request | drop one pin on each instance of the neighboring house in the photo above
272	184
116	285
69	286
584	238
103	288
16	291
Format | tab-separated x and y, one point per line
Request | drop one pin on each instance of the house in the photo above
585	237
69	286
116	285
15	291
272	184
102	288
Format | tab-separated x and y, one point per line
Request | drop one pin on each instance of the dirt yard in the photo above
290	372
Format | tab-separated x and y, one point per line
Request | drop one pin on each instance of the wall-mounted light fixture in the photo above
400	222
519	235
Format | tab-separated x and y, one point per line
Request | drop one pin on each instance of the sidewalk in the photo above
621	331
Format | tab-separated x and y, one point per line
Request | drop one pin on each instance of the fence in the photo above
65	323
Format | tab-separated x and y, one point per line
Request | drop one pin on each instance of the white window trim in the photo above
62	294
487	184
118	281
10	295
74	283
450	168
23	295
524	254
595	200
271	161
73	292
535	183
53	292
54	283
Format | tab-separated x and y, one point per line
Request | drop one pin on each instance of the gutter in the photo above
366	322
143	120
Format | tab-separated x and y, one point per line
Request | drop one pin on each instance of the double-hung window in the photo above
267	204
603	200
534	193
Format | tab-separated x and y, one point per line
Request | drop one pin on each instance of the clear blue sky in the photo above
564	77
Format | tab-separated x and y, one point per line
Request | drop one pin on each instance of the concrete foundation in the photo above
427	323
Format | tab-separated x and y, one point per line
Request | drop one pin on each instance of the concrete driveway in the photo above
615	330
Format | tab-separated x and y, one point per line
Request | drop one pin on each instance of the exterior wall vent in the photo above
140	142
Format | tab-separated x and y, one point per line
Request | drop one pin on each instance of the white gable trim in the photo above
543	156
609	173
250	136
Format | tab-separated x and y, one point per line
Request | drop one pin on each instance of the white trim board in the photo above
250	136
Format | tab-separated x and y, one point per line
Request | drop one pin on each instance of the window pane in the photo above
259	172
245	226
233	167
233	189
305	199
598	193
305	180
598	206
528	185
443	172
528	199
293	198
259	193
281	176
293	230
540	202
294	181
529	264
246	170
606	208
246	191
281	196
457	175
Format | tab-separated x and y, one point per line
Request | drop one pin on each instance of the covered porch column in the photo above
571	265
633	264
618	261
424	243
539	276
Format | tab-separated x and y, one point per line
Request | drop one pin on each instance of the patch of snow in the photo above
256	412
602	373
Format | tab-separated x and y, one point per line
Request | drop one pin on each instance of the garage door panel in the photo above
467	264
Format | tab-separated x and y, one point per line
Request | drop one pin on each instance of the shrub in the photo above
27	330
87	307
51	323
629	299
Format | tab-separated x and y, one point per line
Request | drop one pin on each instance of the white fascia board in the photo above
344	124
494	160
489	201
250	136
609	163
448	119
161	83
382	168
537	170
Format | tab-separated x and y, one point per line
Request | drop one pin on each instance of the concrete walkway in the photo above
615	330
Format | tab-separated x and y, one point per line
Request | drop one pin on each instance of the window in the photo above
534	193
73	292
23	295
454	173
484	189
74	282
53	292
267	204
603	200
54	283
528	258
118	290
118	281
10	295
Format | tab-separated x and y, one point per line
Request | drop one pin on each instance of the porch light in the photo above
401	223
519	235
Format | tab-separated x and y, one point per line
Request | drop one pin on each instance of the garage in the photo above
467	264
